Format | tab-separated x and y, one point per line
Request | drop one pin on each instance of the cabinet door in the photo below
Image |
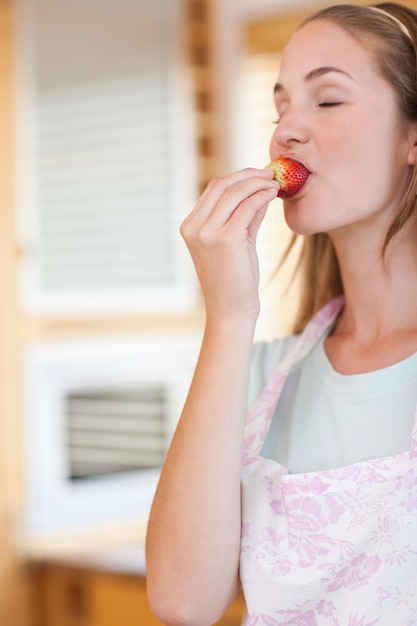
234	614
122	600
65	596
70	596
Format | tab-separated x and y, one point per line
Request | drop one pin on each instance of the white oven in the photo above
99	416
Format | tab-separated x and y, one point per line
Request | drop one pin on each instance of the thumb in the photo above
256	222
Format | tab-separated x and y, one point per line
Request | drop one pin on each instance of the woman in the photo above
310	502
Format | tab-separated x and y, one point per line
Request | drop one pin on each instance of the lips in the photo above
291	175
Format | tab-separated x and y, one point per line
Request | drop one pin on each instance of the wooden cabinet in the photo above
74	596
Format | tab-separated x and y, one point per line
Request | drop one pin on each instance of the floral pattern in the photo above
327	548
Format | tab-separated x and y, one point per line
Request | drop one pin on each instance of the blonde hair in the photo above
394	49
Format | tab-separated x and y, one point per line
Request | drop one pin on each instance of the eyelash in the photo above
323	105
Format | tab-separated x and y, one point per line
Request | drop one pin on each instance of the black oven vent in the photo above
114	431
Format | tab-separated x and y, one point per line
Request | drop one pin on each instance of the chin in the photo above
306	218
299	222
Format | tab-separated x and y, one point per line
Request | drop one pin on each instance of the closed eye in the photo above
329	104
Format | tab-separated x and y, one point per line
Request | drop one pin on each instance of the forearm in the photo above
193	539
193	542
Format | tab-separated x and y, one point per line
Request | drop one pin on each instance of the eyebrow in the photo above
315	74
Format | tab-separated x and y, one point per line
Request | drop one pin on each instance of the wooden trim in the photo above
199	52
10	478
15	589
273	33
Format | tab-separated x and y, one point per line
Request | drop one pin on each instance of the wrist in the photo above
231	325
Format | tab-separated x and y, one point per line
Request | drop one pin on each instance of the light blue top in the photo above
325	419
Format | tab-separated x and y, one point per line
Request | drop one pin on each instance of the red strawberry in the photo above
290	175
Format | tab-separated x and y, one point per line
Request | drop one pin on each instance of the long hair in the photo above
393	49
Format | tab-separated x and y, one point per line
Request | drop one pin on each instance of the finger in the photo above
251	212
218	187
256	223
246	193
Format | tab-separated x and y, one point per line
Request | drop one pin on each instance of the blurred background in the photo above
114	115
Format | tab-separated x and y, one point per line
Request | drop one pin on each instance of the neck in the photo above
381	292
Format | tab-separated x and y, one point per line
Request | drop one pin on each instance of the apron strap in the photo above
414	438
260	416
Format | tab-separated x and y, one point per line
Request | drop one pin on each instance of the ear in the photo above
412	142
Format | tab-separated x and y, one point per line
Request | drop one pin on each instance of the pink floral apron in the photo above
326	548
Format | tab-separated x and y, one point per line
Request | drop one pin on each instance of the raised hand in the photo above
221	236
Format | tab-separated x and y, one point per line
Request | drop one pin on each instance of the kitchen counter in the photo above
128	559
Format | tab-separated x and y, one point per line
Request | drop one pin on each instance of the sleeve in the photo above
265	358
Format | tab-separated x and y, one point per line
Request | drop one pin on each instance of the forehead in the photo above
324	43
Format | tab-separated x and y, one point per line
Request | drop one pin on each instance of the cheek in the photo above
362	158
274	149
384	162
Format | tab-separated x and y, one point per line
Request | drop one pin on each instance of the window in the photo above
105	157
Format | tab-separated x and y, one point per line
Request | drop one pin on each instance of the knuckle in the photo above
214	182
205	237
202	237
185	229
250	171
227	240
235	191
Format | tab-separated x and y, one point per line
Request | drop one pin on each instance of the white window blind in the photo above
106	155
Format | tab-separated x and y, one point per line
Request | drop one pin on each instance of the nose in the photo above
291	130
